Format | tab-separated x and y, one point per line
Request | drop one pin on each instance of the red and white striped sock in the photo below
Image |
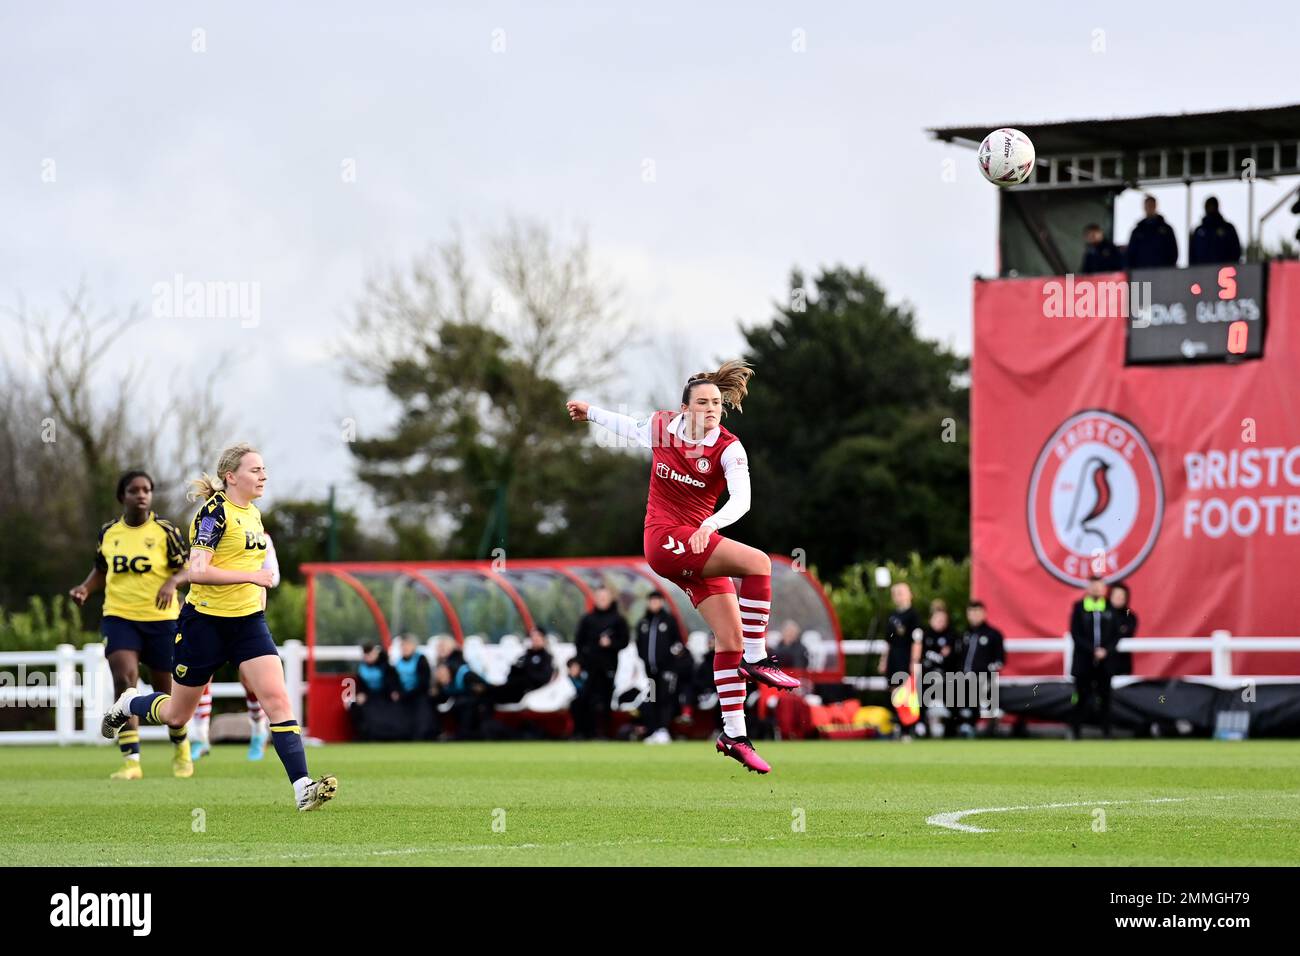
202	716
755	605
255	715
731	692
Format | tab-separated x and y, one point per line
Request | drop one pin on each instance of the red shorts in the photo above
668	551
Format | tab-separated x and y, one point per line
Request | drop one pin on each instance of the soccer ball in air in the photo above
1006	157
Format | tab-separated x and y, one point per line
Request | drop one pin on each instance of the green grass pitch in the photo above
1118	803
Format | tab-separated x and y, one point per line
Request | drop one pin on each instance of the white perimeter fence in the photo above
81	678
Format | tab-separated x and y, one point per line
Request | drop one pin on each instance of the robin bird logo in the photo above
1095	493
1092	489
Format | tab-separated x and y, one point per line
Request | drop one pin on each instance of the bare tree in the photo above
64	355
479	355
539	292
70	422
564	319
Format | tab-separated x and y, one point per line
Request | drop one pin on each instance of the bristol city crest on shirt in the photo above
1095	499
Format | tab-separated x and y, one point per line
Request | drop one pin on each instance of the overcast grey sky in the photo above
225	165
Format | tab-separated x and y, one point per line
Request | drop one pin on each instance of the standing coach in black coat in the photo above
980	651
1092	627
602	633
659	642
1126	625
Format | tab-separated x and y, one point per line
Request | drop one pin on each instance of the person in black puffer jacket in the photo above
1126	625
1152	244
602	633
659	642
532	670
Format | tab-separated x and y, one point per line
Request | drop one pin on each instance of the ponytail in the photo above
731	379
205	486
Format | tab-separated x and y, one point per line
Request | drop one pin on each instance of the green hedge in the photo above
48	623
862	607
286	612
44	626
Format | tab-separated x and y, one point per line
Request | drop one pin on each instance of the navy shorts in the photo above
151	640
204	642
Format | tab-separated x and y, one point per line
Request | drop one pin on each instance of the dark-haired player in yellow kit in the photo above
223	621
140	562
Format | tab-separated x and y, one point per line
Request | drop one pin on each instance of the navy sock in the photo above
177	734
287	738
145	706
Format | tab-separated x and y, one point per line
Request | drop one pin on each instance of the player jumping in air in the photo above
140	562
693	459
223	620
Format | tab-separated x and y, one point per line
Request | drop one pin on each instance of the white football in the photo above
1006	157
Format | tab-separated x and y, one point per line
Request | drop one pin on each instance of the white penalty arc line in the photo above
952	821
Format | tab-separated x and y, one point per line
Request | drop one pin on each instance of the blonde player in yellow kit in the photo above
223	620
139	562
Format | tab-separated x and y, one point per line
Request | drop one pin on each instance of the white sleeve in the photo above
624	426
735	465
271	562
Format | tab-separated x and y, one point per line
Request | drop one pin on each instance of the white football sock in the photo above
733	725
753	627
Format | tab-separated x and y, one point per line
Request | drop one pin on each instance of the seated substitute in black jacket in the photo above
533	669
1100	254
659	643
1092	627
602	633
1215	240
466	696
1153	244
790	651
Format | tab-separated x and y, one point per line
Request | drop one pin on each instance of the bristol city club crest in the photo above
1095	499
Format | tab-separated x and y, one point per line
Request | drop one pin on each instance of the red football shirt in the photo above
686	479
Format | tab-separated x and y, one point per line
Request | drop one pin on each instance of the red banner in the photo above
1182	480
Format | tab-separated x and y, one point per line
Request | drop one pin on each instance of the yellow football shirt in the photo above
235	537
136	562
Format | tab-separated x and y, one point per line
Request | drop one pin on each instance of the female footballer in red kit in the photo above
693	459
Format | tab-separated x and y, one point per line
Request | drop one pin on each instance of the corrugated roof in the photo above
1169	131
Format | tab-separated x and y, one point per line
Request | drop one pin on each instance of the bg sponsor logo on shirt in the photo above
138	565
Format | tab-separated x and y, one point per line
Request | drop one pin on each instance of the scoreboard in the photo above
1199	314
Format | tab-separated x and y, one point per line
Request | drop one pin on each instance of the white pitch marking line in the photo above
951	821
